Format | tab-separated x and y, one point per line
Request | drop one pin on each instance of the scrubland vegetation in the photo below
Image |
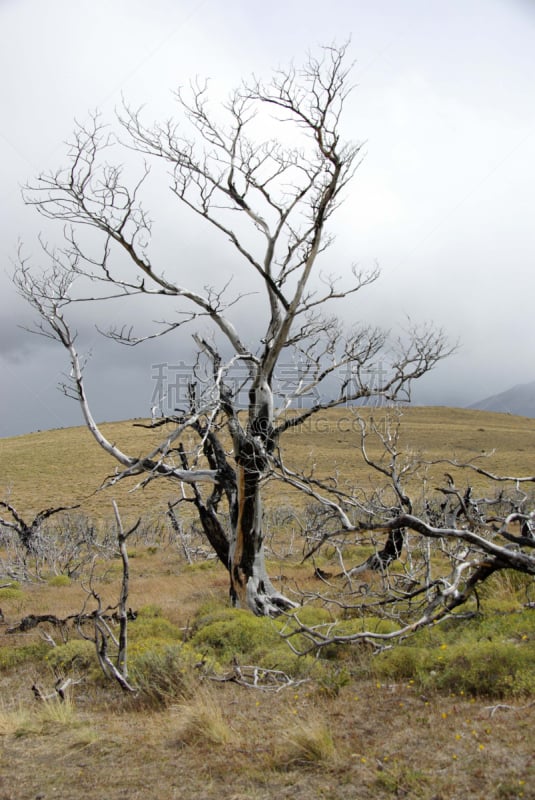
223	705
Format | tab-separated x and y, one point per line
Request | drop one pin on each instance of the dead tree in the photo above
272	203
467	536
103	635
28	532
475	555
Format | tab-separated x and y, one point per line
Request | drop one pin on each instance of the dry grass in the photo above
13	719
200	720
40	469
306	742
386	742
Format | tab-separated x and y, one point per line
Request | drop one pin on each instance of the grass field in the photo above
66	466
447	715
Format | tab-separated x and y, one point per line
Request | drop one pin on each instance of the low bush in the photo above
166	674
12	592
494	669
203	566
150	611
76	654
15	656
402	663
235	633
59	580
227	634
153	627
492	656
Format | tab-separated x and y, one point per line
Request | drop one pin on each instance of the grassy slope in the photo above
66	466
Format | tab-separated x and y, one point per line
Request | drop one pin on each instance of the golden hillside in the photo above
66	466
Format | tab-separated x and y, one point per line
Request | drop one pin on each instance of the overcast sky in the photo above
444	200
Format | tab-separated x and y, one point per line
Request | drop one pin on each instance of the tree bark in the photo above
250	586
390	552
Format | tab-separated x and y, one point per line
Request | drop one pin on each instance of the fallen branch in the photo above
33	620
503	707
252	677
60	689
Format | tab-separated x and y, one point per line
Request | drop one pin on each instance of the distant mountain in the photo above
518	400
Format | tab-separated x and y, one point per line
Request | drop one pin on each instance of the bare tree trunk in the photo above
122	662
390	552
250	586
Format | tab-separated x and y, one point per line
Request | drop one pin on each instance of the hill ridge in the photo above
518	400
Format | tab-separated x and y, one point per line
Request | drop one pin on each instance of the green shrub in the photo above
151	610
75	654
354	652
283	659
12	592
494	669
226	634
510	626
371	624
312	615
236	633
470	666
165	674
14	656
59	580
401	663
153	627
202	566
